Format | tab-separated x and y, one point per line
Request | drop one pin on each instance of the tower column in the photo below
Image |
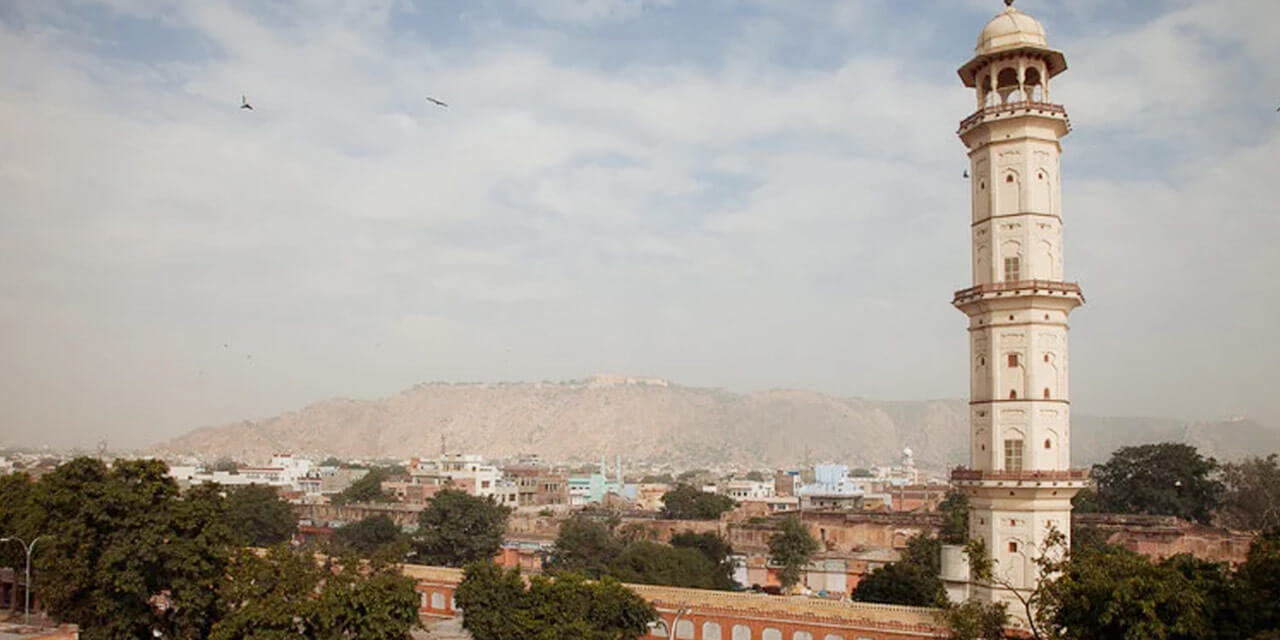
1020	481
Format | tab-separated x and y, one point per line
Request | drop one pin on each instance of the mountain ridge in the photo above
652	420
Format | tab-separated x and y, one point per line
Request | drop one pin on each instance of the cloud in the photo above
776	202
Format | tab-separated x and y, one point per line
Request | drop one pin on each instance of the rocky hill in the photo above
654	421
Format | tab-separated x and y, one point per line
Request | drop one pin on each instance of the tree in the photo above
791	548
955	518
1159	479
714	548
366	537
755	476
125	540
457	528
1112	593
1251	496
368	488
900	583
584	545
686	502
496	605
225	464
913	580
1258	582
287	594
646	562
974	620
259	517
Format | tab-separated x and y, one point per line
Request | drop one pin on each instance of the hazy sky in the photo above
738	194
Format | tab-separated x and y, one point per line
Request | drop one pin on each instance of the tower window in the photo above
1048	444
1046	357
1046	393
1013	394
1013	360
982	362
1013	455
1013	547
1008	178
1012	269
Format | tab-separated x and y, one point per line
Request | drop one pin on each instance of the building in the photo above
468	473
740	489
538	485
1019	478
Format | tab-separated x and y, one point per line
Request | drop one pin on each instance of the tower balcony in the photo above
1015	108
1019	288
1027	478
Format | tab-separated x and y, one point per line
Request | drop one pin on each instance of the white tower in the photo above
1019	481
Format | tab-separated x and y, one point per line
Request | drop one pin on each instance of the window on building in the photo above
1013	455
1013	394
1012	269
1048	444
1046	393
1013	547
1013	360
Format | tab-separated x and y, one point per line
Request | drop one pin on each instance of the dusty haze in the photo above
740	195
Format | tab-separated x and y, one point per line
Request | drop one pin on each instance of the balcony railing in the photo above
1010	108
961	475
1034	286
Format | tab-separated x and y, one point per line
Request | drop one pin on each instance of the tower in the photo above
1019	479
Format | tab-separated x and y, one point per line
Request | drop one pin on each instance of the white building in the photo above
1019	479
468	472
749	489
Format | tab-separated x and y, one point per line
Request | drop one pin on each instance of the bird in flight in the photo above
244	103
966	173
436	102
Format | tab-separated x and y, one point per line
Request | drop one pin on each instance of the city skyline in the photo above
746	196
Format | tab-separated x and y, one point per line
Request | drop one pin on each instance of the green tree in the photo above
975	620
497	606
955	518
1112	593
585	545
791	548
368	488
646	562
286	594
1251	496
1258	584
123	539
457	529
686	502
18	515
1159	479
370	535
225	464
258	516
912	580
714	548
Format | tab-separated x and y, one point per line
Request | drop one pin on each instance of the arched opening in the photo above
741	632
710	631
1032	85
1048	444
1013	394
1046	393
1007	85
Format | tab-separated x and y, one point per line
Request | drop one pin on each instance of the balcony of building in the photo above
1019	287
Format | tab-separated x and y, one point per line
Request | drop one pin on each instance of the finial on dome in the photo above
1008	3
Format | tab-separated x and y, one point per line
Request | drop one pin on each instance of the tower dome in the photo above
1010	29
1012	33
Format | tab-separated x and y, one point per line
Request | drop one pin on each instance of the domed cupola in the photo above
1012	34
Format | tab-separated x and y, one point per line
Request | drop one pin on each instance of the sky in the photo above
746	195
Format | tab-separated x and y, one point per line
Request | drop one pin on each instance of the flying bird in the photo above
436	102
966	173
244	103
